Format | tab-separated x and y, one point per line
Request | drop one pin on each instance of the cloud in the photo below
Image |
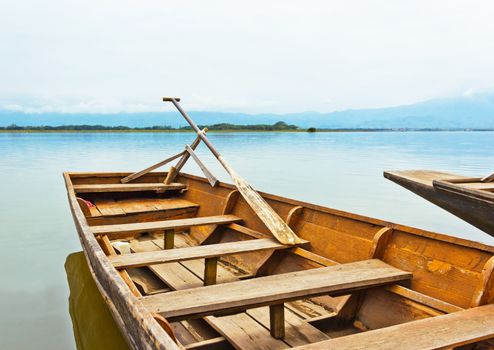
257	56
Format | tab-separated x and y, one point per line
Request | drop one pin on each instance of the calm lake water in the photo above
340	170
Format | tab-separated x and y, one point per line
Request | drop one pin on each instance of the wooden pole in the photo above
212	180
277	320
151	168
268	216
210	270
185	157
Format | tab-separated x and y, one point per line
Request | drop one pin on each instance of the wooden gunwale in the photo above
361	218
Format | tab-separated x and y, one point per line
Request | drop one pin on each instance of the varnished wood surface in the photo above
269	290
456	329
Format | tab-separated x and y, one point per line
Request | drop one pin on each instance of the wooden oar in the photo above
268	216
151	168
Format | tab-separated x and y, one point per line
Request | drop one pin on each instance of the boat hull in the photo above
448	272
470	207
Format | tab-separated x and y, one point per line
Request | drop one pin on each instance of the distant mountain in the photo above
476	111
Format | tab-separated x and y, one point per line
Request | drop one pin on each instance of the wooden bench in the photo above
274	291
123	230
451	330
154	187
191	253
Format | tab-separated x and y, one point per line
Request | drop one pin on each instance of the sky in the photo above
278	56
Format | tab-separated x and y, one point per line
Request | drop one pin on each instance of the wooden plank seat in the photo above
122	230
138	187
129	206
439	332
273	291
191	253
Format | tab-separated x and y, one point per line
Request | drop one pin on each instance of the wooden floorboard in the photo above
297	331
450	330
334	280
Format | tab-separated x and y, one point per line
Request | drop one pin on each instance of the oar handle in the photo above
193	125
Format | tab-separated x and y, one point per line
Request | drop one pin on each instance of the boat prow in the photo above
469	198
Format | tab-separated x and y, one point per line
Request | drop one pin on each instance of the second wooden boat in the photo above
471	199
185	262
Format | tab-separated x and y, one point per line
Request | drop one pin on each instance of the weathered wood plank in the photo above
243	332
334	280
108	207
455	329
114	231
138	187
191	253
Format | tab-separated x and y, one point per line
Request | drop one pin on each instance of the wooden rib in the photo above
293	215
138	174
483	294
211	178
191	253
230	201
450	330
156	187
84	207
380	242
124	229
110	251
335	280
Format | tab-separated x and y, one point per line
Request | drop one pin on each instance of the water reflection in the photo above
92	321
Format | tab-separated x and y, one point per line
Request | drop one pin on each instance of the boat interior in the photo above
205	266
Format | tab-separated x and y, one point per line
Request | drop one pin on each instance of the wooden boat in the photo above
186	262
471	199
